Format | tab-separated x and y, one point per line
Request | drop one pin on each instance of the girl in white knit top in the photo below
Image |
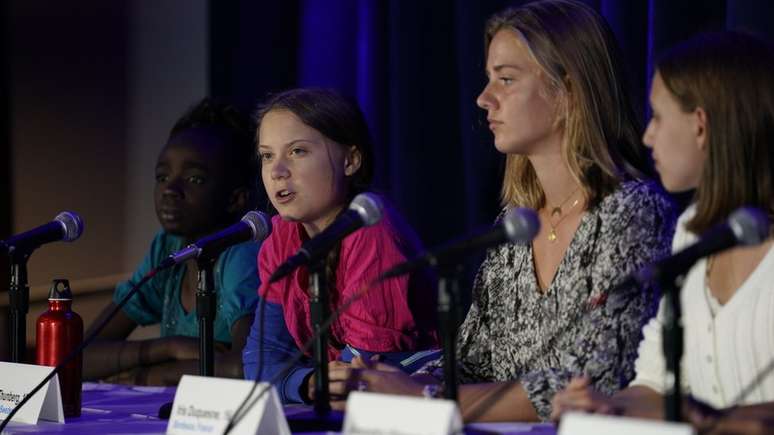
712	130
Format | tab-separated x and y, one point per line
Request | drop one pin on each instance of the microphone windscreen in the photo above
368	206
72	224
260	224
750	225
521	225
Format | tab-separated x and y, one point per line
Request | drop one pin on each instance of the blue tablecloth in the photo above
110	409
122	409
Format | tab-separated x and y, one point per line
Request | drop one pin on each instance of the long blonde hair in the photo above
578	55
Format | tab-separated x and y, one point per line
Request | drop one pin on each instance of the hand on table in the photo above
342	378
365	375
749	420
378	377
580	396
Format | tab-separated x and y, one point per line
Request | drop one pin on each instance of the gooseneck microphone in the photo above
365	210
66	226
744	226
254	225
518	225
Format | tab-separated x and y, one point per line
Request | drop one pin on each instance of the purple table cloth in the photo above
124	409
110	409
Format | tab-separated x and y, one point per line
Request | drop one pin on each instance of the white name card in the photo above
204	405
372	413
17	381
589	424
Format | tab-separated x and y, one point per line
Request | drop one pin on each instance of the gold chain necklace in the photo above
557	210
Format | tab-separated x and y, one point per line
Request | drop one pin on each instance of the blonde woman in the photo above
543	313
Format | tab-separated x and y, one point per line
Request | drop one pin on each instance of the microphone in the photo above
254	225
744	226
66	226
365	210
518	225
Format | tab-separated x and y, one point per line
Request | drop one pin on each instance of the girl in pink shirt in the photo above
316	155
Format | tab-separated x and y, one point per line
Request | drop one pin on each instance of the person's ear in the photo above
238	200
701	131
352	160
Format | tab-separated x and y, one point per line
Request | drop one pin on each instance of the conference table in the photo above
125	409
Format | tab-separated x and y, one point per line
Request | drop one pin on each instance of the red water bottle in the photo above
59	331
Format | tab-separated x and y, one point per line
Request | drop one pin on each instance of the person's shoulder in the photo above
164	244
635	191
163	238
637	203
242	255
637	196
278	222
284	239
683	237
382	230
282	230
686	216
392	228
248	249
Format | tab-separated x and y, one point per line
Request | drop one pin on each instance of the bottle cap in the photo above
60	290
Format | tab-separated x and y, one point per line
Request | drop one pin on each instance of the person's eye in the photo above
506	80
264	157
196	179
160	178
298	151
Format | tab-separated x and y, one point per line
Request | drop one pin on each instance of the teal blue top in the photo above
158	301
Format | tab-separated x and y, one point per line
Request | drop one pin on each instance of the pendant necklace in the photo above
557	211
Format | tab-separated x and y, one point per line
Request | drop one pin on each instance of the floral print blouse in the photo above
578	326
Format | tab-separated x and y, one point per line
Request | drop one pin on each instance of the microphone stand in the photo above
206	307
19	302
319	308
672	332
448	318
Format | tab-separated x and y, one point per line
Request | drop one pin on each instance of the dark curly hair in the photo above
236	129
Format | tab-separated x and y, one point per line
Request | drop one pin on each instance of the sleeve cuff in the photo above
290	387
541	386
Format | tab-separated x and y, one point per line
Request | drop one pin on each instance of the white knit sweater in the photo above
724	352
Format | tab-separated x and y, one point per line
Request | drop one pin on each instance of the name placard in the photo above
372	413
17	381
204	405
588	424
